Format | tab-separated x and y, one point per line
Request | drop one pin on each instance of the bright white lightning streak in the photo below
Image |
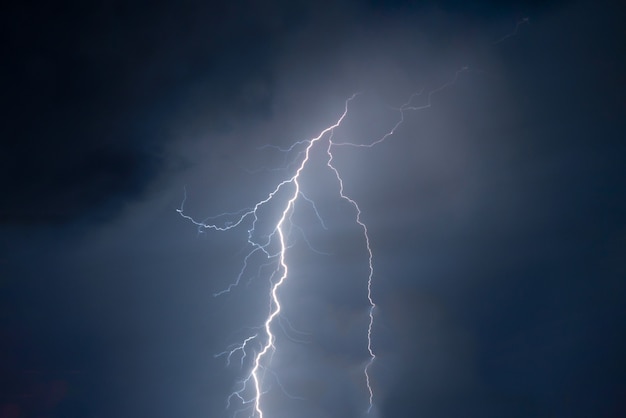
258	368
285	269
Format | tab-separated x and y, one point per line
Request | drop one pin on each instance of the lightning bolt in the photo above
522	21
276	244
370	275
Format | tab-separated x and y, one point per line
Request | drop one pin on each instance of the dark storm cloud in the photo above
93	92
496	216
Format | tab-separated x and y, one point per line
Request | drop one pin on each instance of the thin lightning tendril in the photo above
370	274
259	362
522	21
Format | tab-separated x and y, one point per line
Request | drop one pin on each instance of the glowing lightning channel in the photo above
285	269
258	366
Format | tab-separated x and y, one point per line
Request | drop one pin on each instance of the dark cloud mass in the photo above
496	215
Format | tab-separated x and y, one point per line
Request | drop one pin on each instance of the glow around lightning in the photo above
259	345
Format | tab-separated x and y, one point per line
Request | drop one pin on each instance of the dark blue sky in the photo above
496	216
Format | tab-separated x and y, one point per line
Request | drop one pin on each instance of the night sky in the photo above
497	216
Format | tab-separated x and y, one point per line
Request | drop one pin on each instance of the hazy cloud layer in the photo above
496	215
